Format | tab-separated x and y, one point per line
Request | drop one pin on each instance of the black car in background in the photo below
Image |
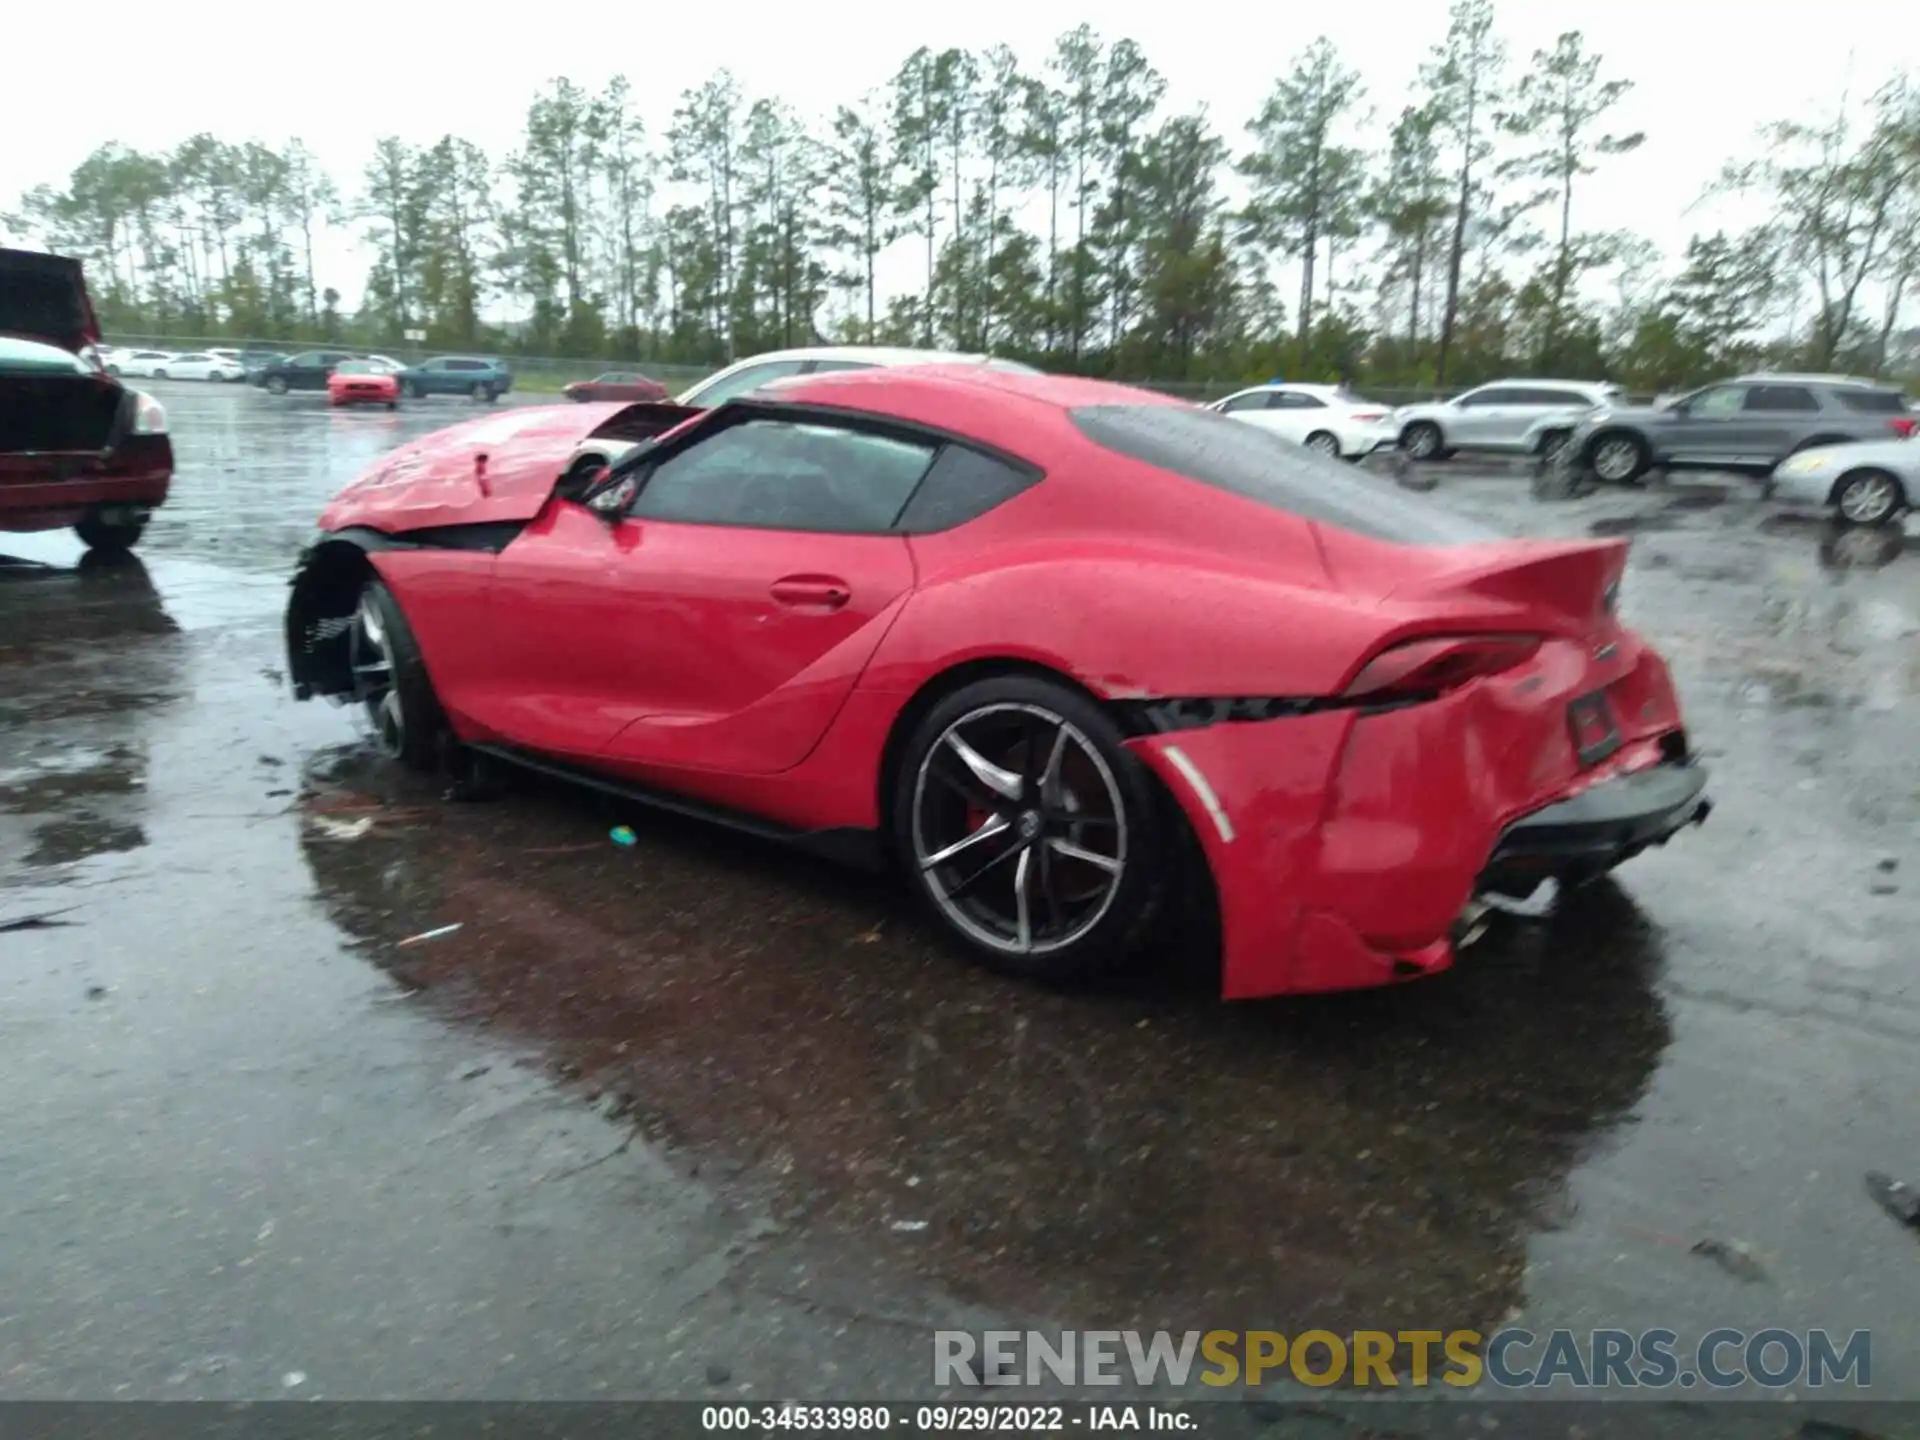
306	371
255	361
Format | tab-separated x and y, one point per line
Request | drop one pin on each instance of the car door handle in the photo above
812	592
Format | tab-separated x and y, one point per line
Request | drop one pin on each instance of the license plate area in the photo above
1595	735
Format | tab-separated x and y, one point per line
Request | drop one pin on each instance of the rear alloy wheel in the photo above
1421	440
111	532
277	385
1872	497
1322	443
1618	459
482	391
1030	829
390	680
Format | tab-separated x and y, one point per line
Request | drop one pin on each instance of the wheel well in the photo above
1818	441
1412	425
325	594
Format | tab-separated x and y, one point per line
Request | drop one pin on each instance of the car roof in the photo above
887	356
1524	380
1790	377
906	391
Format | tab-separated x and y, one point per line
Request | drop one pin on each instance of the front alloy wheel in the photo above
1030	828
390	680
1870	498
1321	443
1618	459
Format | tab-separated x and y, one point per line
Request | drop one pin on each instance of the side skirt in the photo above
857	848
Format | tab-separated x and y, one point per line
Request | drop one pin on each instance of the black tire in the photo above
113	369
1608	444
483	392
160	374
393	404
1551	443
1100	917
276	384
408	727
1869	497
1324	442
110	537
1422	440
417	390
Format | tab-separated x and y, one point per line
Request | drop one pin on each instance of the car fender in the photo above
1131	623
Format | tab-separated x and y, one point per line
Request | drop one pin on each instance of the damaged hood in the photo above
44	297
498	468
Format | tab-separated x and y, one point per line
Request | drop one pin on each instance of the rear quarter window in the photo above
1257	465
1873	402
962	485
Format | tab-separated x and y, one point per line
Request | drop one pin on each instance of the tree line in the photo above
1055	212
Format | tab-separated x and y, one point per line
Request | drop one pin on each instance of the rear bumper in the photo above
1590	833
50	492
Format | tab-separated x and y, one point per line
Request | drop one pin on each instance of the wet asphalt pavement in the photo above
700	1118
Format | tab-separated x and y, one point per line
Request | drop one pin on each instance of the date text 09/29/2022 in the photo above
943	1419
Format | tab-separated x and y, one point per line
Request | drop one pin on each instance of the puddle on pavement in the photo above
1143	1155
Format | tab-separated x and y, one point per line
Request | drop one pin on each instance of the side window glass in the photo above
723	388
1721	400
787	475
1253	400
1781	397
963	485
821	367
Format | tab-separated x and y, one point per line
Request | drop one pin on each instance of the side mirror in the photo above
612	503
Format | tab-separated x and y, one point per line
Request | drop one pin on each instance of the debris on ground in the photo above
431	934
559	849
1888	864
909	1227
623	835
1898	1199
1733	1257
96	992
44	920
343	829
718	1374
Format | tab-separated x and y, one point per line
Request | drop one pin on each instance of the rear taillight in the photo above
1903	427
1422	668
1370	415
149	416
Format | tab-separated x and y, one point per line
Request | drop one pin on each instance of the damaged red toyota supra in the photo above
1041	645
77	447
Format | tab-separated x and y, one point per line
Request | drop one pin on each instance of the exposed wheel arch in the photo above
1817	442
326	591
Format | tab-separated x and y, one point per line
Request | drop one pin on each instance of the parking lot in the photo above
697	1118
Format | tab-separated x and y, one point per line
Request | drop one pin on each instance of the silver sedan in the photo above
1870	483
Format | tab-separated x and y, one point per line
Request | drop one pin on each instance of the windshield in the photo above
1258	465
30	357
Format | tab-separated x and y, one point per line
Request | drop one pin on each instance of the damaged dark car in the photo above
77	447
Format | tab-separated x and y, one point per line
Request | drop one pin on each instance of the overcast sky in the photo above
1706	72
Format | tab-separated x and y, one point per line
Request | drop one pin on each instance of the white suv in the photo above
1501	417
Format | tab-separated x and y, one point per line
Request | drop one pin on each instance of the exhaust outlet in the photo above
1472	924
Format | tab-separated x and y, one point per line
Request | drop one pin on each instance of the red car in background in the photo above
1032	640
77	447
363	382
615	385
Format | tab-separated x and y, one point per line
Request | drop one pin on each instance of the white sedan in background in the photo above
145	363
1327	419
1869	482
201	365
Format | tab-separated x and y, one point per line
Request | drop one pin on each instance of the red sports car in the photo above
77	447
615	385
363	382
1029	639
